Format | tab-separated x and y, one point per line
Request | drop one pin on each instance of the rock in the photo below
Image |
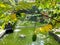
17	30
2	33
22	36
58	35
56	30
34	37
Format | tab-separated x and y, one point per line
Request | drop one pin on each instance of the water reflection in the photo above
40	40
38	43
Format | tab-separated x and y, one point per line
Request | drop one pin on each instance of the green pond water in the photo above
14	38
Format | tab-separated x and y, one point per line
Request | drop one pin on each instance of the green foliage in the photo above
24	5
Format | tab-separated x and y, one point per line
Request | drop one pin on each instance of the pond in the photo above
15	39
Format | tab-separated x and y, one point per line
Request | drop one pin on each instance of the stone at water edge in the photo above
22	36
56	30
58	35
2	33
34	37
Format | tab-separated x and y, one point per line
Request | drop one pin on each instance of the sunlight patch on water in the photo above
41	42
38	43
33	43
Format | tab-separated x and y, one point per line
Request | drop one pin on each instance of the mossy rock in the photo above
34	37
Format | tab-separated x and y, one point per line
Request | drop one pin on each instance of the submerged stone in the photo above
17	30
22	36
34	37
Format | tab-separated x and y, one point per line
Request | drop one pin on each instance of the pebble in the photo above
17	30
22	36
